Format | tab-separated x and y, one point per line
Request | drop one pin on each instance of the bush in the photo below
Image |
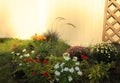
105	52
79	51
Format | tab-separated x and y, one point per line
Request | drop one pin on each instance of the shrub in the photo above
79	51
105	52
31	67
68	70
99	73
51	36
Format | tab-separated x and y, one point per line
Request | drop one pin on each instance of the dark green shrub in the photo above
105	52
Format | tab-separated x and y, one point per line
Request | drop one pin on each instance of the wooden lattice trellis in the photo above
111	28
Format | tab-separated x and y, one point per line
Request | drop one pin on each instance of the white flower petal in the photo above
57	73
66	56
12	52
20	64
62	64
79	73
71	70
74	58
56	66
77	68
18	54
66	69
70	78
21	56
24	50
27	55
77	63
32	51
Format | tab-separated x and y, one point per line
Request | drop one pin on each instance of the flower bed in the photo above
73	65
50	60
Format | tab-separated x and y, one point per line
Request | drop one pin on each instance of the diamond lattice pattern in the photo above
111	28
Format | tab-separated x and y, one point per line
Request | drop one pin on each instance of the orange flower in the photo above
39	37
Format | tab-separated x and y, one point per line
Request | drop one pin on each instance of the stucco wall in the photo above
23	18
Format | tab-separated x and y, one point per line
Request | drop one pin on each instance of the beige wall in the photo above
23	18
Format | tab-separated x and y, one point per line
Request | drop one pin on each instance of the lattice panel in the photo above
111	28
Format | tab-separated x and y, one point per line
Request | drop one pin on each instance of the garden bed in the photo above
48	59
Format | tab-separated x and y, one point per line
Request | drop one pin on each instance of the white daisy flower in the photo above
27	55
70	78
66	69
79	73
24	50
66	56
74	58
18	54
20	64
71	70
12	52
77	63
62	64
56	66
21	56
57	73
77	68
32	51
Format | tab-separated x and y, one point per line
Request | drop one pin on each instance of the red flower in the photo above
30	59
33	73
37	60
45	74
45	62
84	56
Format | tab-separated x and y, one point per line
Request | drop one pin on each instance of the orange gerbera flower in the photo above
38	37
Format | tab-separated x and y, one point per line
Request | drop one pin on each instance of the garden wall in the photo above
23	18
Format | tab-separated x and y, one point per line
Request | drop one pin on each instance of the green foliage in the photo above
8	43
99	72
51	36
31	62
105	52
68	70
34	69
46	48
